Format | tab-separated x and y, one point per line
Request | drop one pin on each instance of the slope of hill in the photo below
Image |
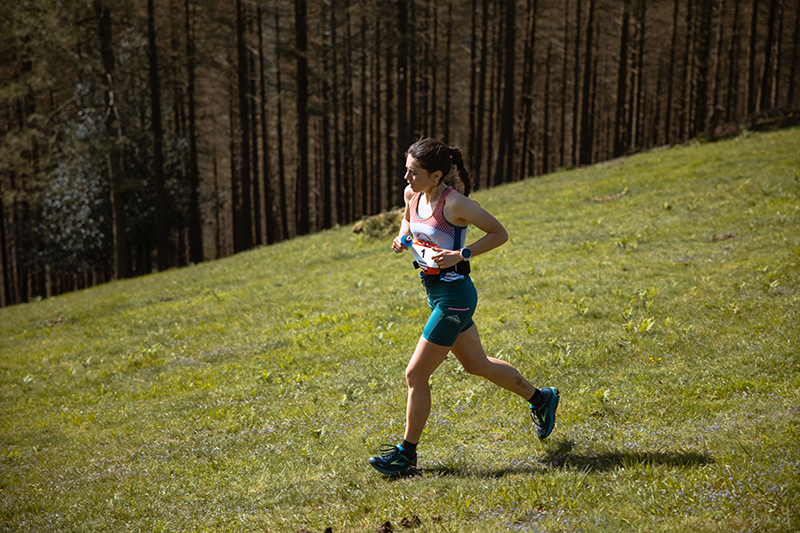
660	293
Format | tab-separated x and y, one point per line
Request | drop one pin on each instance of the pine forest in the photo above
142	135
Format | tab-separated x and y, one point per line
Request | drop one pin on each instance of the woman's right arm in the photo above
405	224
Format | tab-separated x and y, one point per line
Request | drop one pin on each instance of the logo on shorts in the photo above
454	319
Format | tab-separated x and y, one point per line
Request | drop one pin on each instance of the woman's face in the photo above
418	178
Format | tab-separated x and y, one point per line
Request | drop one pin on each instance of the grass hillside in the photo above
660	293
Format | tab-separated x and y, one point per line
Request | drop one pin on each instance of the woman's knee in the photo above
416	376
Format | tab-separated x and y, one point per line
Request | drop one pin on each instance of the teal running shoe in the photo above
394	460
545	416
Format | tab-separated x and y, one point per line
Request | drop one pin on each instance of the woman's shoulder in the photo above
457	200
408	193
459	209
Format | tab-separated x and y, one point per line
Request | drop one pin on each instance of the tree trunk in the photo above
15	262
403	134
495	99
35	241
23	245
477	160
195	225
717	57
473	75
7	300
576	85
113	130
546	127
245	232
701	58
732	96
350	191
161	226
655	135
393	185
562	143
376	143
253	76
303	176
752	95
766	68
504	170
325	189
620	124
593	107
284	205
795	55
686	94
363	185
527	159
448	89
413	68
433	70
776	71
178	247
586	132
269	207
637	119
6	243
375	177
338	191
218	206
236	203
671	76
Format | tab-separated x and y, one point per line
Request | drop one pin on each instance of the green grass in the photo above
660	293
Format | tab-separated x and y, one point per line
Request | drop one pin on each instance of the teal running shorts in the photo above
452	306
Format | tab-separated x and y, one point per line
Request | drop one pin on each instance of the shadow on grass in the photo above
563	457
486	473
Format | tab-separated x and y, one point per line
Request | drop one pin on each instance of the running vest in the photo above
434	231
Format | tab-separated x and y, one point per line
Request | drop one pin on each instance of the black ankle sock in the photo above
537	400
411	449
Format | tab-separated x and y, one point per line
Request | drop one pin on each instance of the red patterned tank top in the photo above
432	231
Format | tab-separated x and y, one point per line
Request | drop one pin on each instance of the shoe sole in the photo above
404	472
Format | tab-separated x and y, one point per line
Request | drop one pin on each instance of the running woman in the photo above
437	213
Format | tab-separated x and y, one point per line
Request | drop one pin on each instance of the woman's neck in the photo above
432	195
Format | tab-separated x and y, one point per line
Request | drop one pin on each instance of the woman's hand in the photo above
446	258
397	245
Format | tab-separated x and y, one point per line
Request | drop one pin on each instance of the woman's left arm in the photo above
461	211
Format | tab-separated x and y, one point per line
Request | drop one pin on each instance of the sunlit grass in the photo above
660	293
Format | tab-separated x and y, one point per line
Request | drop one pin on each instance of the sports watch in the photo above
466	253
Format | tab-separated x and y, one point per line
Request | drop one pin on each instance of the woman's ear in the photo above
437	176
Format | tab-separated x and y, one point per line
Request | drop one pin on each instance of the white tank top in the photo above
435	230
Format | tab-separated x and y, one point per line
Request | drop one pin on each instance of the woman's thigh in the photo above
426	359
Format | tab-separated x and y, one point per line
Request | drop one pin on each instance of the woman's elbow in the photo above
502	235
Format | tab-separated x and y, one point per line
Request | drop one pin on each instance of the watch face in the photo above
466	253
